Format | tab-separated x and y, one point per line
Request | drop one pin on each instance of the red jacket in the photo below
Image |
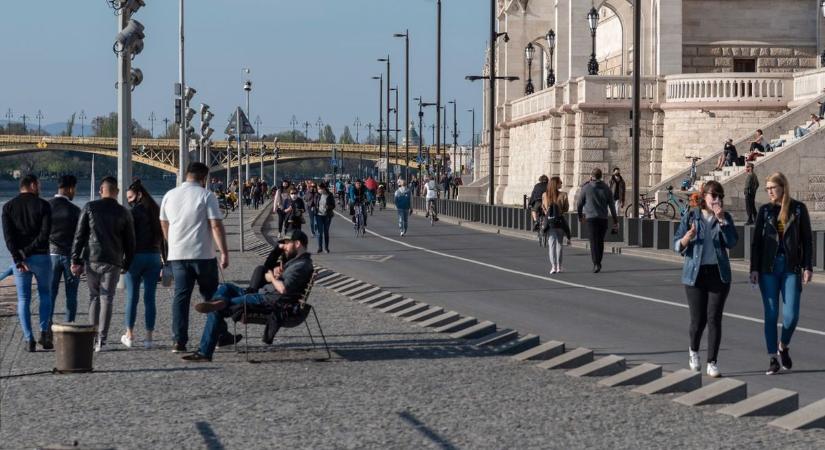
371	184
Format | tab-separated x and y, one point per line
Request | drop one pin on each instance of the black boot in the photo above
45	340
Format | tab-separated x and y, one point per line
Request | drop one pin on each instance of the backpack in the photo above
554	219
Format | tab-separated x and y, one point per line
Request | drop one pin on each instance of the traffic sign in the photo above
382	164
334	162
246	127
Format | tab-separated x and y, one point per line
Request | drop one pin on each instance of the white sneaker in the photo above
713	370
126	341
558	269
693	361
99	346
552	270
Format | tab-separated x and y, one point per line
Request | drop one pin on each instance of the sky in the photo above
308	58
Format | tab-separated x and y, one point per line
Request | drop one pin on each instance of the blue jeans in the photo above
216	322
403	215
146	268
313	222
186	273
7	273
323	222
62	266
40	266
771	284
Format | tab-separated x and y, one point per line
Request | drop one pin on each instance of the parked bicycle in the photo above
645	207
542	236
688	183
667	209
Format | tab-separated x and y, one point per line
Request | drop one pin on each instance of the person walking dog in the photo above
781	262
704	236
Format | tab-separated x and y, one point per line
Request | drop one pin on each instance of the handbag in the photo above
166	277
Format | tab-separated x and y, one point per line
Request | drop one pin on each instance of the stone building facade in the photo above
708	75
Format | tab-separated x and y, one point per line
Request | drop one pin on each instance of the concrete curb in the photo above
541	352
374	298
680	381
412	310
403	304
727	390
440	320
773	402
368	293
570	360
458	325
383	303
497	338
811	416
429	313
642	374
476	331
609	365
517	345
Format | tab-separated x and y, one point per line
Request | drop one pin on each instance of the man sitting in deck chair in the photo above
286	283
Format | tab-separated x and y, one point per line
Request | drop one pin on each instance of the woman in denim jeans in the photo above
781	261
146	267
704	237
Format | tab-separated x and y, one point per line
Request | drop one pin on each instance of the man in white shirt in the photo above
431	194
191	221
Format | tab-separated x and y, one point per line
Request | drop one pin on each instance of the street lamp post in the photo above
276	154
294	123
472	139
406	36
819	30
438	85
320	124
529	52
387	123
82	123
247	86
396	130
228	165
9	117
380	79
357	124
260	144
593	23
551	47
39	117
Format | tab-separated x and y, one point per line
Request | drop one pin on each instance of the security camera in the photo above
247	86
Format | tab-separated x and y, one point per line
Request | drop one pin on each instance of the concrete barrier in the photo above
412	310
541	352
347	286
339	283
639	375
819	249
773	402
383	303
356	290
330	279
632	230
375	297
517	345
476	331
662	234
570	360
440	320
428	313
727	390
680	381
368	293
609	365
738	251
403	304
497	338
811	416
646	240
458	325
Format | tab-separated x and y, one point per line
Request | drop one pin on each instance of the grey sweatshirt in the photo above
594	201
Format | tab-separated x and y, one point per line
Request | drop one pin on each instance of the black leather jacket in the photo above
65	215
105	234
797	239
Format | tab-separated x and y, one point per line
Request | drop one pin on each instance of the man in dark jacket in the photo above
618	188
534	203
595	199
751	186
105	242
65	215
27	222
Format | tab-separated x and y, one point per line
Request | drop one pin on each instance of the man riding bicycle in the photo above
431	190
380	195
534	203
358	195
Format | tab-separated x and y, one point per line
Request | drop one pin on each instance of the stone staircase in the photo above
475	192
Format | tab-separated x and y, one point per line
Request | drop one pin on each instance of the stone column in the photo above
656	143
579	41
669	39
562	51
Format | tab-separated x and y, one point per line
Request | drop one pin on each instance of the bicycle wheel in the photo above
628	212
664	210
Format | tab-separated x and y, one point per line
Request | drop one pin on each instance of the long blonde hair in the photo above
780	179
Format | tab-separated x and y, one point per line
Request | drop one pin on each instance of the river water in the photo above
8	190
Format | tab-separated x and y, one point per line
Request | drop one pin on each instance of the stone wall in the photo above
531	158
720	58
691	132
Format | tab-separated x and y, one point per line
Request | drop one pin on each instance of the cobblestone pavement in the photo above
389	385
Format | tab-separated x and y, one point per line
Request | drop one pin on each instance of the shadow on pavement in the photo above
210	439
428	432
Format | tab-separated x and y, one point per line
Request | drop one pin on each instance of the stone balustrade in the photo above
733	89
807	85
602	91
541	101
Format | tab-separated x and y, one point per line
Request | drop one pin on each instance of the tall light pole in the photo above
438	85
276	154
529	52
637	40
406	36
357	124
380	79
472	140
82	123
183	151
455	133
396	130
320	124
593	23
260	145
152	119
551	47
294	123
39	117
9	117
387	122
247	87
239	129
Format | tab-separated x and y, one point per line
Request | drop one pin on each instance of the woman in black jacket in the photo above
150	251
781	261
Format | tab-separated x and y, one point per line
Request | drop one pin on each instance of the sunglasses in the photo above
716	195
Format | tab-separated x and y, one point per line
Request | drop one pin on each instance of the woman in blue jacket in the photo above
704	237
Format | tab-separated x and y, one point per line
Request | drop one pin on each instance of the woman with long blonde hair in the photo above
554	202
781	261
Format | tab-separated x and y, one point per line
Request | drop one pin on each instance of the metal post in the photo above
396	126
472	138
492	103
246	141
438	88
380	116
387	126
124	114
92	181
455	134
407	106
637	40
183	151
240	187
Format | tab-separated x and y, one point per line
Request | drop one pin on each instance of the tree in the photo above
286	136
106	126
69	126
327	135
172	132
346	137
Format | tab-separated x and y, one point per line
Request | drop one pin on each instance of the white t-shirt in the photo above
431	190
188	209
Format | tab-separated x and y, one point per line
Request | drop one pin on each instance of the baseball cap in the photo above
294	235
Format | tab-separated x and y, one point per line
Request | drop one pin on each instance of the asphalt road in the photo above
635	307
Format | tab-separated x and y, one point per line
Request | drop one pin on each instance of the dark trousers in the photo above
281	219
598	229
750	206
757	147
706	300
187	273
